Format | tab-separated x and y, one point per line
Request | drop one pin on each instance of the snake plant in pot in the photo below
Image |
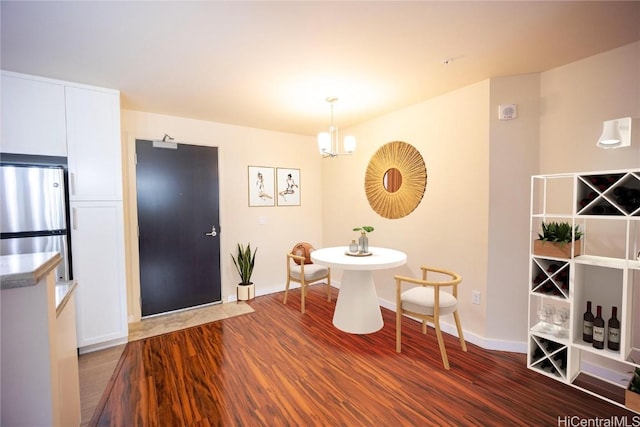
558	239
244	261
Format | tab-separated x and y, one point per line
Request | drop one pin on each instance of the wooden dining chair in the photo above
428	302
302	270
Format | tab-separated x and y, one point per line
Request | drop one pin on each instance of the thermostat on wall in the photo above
507	111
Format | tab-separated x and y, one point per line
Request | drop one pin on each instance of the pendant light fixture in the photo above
328	141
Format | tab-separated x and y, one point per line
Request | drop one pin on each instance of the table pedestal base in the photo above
357	309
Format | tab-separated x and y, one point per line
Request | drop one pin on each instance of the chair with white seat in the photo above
428	302
302	270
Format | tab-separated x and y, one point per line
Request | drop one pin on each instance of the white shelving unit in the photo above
605	205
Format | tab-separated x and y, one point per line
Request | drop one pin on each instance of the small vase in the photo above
353	247
363	243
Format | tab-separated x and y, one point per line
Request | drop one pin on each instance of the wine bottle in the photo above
613	326
598	329
537	355
587	324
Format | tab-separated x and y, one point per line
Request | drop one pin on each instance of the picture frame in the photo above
261	186
288	186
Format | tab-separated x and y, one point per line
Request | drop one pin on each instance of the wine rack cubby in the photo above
615	194
550	278
548	356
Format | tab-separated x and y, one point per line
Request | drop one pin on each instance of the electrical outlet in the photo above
475	297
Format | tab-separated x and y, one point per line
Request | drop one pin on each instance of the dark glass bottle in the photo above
598	329
613	327
587	324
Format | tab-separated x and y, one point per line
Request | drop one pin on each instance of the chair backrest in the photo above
303	249
454	278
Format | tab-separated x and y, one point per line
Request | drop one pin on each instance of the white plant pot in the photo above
246	292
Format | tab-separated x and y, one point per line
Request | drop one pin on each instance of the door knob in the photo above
213	232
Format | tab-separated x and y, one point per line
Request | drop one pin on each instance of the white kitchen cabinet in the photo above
93	143
33	116
97	238
42	116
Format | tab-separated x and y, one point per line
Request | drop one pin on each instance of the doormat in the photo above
172	322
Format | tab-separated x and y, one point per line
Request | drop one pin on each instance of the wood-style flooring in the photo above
277	367
97	367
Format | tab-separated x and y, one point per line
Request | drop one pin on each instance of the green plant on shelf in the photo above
559	232
635	381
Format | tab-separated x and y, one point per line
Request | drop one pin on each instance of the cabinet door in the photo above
97	238
33	117
93	139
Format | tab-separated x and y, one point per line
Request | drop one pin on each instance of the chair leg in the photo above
303	291
443	351
424	327
398	329
463	344
328	290
286	291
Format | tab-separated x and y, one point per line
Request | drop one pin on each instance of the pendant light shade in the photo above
328	141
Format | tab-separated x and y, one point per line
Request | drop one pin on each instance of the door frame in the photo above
130	203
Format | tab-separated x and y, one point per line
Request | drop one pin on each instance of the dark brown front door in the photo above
178	223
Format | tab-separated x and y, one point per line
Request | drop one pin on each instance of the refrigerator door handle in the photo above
72	182
74	218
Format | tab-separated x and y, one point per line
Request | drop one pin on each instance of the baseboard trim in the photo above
483	342
101	346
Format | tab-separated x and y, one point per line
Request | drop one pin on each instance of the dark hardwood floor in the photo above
276	367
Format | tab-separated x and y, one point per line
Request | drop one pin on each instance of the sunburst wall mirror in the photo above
395	180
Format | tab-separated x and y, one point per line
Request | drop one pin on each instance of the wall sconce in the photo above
615	133
166	142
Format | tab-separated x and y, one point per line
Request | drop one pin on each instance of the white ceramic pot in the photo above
246	292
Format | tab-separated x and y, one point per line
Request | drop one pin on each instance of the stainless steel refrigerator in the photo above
33	209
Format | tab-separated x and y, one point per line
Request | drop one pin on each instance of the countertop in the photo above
63	294
18	271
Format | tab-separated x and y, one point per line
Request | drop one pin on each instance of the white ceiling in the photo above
271	64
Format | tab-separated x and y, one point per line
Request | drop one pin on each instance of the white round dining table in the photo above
357	309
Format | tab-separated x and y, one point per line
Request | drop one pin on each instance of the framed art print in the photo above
288	186
261	186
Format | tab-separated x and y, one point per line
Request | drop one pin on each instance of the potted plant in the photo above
557	239
632	394
244	262
363	241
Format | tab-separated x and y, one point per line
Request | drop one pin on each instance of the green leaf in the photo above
559	232
244	262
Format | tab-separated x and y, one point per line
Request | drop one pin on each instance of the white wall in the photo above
238	147
449	228
576	99
513	159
